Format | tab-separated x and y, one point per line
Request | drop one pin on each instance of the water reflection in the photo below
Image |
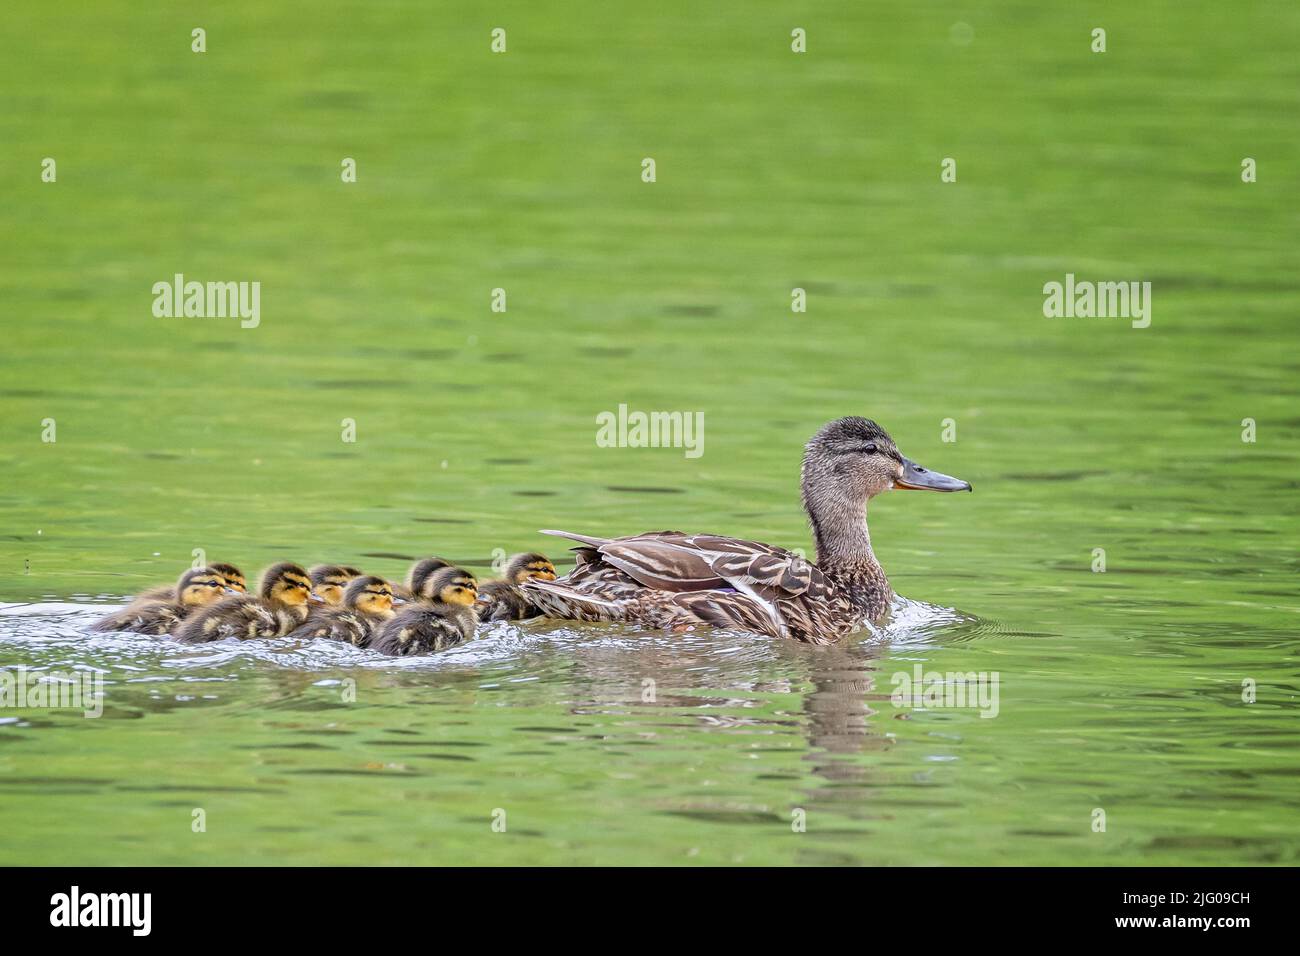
840	721
683	733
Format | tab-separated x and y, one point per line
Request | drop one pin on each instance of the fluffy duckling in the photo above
329	580
442	617
197	588
415	577
233	577
367	603
502	600
280	606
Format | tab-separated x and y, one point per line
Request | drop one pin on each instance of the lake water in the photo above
1160	693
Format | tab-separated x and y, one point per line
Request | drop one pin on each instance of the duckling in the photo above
197	588
280	606
367	603
415	577
233	577
329	580
442	617
502	600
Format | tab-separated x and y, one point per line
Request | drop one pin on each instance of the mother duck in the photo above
669	579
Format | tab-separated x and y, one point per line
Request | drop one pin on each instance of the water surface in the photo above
1119	691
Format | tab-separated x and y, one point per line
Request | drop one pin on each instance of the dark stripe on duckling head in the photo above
531	564
366	584
291	574
200	586
450	586
421	569
189	575
331	574
232	575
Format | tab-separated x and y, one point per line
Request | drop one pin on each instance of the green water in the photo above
1120	691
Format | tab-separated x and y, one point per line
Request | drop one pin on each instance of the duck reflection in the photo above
841	724
824	694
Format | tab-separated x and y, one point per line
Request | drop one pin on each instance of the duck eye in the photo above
870	449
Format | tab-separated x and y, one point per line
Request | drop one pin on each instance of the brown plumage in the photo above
442	617
367	603
668	579
280	607
196	589
503	600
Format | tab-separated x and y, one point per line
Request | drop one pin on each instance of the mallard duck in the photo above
329	580
280	606
415	577
367	603
197	588
233	577
502	600
669	579
442	617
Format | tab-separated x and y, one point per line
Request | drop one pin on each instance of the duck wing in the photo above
674	561
668	578
753	612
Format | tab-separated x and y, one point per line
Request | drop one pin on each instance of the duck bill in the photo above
916	478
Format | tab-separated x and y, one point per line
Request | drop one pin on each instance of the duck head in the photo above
369	595
529	567
329	580
233	577
286	583
855	458
846	464
449	586
422	569
199	587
